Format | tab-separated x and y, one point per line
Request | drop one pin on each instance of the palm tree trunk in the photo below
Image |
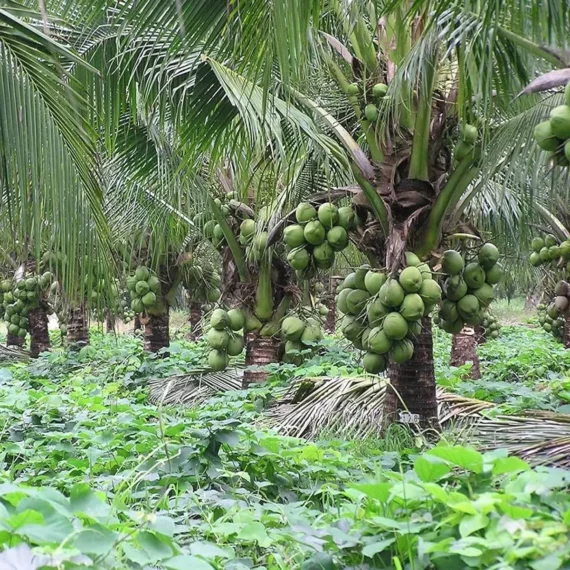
566	336
137	326
77	328
195	320
14	340
260	351
330	321
464	351
412	386
39	333
109	322
156	332
481	334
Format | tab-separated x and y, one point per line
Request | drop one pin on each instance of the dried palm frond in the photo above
354	405
13	354
193	388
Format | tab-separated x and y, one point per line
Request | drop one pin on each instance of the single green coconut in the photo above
395	326
131	282
371	112
247	229
425	270
323	310
324	264
346	218
484	294
154	283
349	281
149	299
545	137
142	288
462	151
217	339
219	319
560	122
412	259
218	233
374	363
356	301
323	252
292	328
328	215
391	293
213	294
341	303
137	305
469	134
314	232
373	281
495	274
299	259
565	250
337	237
353	89
236	320
379	90
412	307
537	244
218	360
452	327
305	212
455	287
378	341
488	255
252	323
402	351
554	252
430	292
414	328
448	311
6	285
351	327
474	275
360	278
31	283
375	312
550	240
468	306
235	345
312	333
544	254
567	150
208	229
294	236
411	279
452	262
364	338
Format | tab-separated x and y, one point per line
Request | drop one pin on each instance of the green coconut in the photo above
360	278
430	292
337	237
411	279
375	312
452	262
374	363
351	327
414	328
137	305
488	255
567	150
218	360
350	281
247	229
412	259
425	270
412	307
455	287
373	281
323	252
452	327
534	259
371	112
379	341
142	288
6	285
560	122
550	240
294	236
395	326
537	244
314	232
13	329
341	303
142	273
391	293
364	338
324	264
468	306
292	328
209	229
323	310
379	90
356	301
327	214
448	311
259	243
544	254
149	299
154	283
484	294
213	294
346	218
462	150
236	319
565	250
474	275
217	339
312	333
31	283
353	89
545	137
235	345
299	259
219	319
495	274
252	323
469	134
305	212
402	351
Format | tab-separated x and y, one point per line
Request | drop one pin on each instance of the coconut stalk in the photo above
464	351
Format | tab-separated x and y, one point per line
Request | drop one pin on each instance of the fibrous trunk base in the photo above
195	321
39	332
464	351
566	337
137	326
15	340
156	333
480	334
109	322
260	351
411	395
77	329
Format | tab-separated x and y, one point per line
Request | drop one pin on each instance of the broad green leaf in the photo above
509	465
255	531
85	501
378	491
97	540
464	457
374	548
210	550
471	524
185	562
430	469
155	548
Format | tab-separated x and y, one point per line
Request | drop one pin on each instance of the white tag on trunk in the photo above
407	418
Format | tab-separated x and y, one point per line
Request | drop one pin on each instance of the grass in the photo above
93	475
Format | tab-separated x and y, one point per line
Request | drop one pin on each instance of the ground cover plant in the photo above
93	474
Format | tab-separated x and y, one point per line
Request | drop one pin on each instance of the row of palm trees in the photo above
148	111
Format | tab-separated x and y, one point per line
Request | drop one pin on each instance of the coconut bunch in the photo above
549	250
468	287
225	336
491	324
203	281
553	135
382	314
368	97
468	138
18	298
300	334
210	228
551	320
143	287
318	235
